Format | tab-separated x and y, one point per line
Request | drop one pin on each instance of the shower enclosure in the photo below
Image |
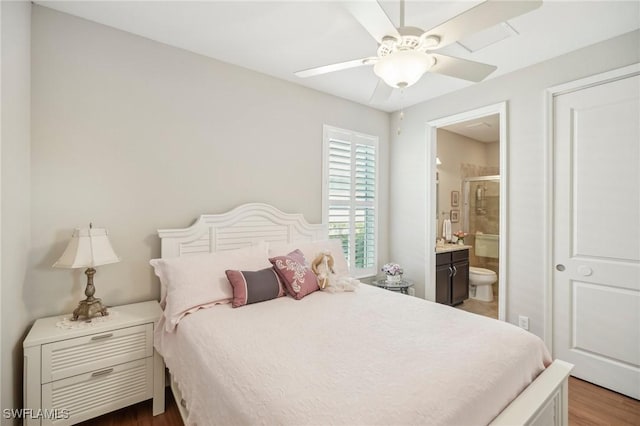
481	209
481	220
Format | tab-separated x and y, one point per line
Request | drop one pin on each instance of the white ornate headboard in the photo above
240	227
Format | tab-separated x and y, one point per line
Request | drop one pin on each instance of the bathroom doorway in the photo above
467	155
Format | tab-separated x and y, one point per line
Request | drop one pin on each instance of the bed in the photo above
365	357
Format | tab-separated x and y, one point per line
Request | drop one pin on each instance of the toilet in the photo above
480	279
481	283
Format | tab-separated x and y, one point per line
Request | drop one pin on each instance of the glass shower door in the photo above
481	197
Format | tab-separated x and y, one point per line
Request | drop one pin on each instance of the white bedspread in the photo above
372	357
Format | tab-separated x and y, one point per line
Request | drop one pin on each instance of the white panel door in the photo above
596	280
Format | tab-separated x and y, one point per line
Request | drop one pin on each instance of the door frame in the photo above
431	231
548	226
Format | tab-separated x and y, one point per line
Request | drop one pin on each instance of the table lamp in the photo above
88	247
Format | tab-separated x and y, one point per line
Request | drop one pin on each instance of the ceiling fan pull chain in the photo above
401	111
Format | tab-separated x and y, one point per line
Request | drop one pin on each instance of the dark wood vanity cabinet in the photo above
452	277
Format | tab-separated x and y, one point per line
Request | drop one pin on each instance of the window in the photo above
350	196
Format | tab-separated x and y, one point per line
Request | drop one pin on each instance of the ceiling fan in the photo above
404	54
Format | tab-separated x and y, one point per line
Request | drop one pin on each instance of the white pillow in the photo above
311	249
197	281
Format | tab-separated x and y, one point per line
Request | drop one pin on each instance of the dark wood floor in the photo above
140	415
589	405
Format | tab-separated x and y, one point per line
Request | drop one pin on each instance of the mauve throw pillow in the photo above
297	276
254	286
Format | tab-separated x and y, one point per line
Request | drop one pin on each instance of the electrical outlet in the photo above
523	322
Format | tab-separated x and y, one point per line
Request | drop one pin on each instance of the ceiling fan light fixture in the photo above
403	68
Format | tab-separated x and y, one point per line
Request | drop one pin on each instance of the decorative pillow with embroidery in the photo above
254	286
310	249
296	274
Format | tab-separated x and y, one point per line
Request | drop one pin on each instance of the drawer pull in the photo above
102	373
102	336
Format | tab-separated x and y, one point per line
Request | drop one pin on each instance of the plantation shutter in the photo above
350	200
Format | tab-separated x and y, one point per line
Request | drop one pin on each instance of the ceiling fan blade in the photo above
484	15
373	18
381	92
335	67
461	68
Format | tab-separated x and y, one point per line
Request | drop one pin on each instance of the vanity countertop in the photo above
451	247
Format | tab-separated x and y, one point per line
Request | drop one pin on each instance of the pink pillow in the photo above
254	286
199	281
297	276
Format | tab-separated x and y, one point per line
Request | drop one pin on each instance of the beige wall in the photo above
134	135
453	151
15	193
524	91
493	153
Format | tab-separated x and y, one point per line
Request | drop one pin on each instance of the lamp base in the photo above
88	309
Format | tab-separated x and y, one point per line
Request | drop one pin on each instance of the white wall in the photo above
135	135
15	193
524	91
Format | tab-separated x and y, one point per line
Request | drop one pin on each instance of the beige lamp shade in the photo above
89	247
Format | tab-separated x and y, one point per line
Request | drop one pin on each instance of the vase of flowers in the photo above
460	235
393	271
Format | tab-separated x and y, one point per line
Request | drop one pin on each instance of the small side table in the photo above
402	286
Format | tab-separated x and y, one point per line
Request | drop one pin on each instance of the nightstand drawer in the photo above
71	357
101	391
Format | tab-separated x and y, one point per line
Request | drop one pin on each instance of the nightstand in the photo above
71	375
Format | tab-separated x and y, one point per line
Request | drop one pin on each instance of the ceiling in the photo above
484	129
280	37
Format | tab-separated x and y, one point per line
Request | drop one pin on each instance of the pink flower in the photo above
392	269
460	234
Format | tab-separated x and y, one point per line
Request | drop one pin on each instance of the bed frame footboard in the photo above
543	402
545	398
